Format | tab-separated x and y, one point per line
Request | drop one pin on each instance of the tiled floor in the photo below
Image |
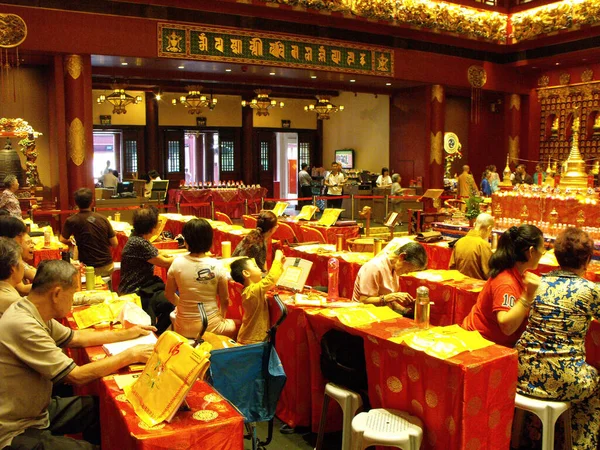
301	440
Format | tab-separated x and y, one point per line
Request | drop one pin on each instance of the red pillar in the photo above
436	152
249	168
514	126
78	121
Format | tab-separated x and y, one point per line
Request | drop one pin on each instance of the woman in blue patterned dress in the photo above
552	349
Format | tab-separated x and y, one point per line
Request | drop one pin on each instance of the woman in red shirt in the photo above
504	303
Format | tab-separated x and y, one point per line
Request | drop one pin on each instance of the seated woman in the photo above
199	279
11	272
552	349
137	268
503	305
254	245
13	228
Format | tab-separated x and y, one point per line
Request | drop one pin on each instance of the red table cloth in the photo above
42	254
438	255
230	201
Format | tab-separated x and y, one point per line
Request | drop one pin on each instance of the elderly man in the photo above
8	199
11	272
13	228
378	281
472	253
32	360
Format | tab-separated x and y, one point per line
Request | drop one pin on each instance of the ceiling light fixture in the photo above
181	67
388	84
323	107
124	64
195	101
119	98
262	103
227	70
352	81
313	76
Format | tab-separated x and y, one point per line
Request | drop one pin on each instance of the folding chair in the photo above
312	234
249	222
285	233
223	217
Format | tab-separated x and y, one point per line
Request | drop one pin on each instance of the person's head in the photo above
145	177
13	228
84	198
198	235
484	224
521	169
304	166
11	183
410	257
55	281
396	178
245	271
485	175
538	168
145	221
385	172
115	173
573	249
266	222
108	163
523	245
335	167
466	169
492	168
12	269
153	174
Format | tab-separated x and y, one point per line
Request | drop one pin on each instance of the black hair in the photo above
115	173
153	174
237	267
415	254
304	166
512	247
144	220
51	273
384	169
266	221
83	198
573	248
11	227
145	177
198	235
10	256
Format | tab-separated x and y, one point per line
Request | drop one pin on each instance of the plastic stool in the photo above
349	401
548	411
387	427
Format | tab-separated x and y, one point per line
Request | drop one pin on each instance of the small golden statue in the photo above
553	216
498	211
524	213
580	218
366	214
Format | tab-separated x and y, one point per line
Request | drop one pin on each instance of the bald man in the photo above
466	183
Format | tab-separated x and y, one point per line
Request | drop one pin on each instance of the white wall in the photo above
363	126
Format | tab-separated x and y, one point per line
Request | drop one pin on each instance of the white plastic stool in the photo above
349	401
387	427
548	412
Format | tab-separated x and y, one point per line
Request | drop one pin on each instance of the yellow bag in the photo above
167	377
361	314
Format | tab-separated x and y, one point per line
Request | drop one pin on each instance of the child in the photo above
255	321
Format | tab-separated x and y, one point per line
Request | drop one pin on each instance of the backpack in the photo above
343	360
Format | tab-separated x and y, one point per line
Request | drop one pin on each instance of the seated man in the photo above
93	234
32	360
13	228
11	272
378	280
472	253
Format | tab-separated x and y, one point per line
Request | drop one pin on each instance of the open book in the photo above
118	347
306	212
330	216
280	208
295	273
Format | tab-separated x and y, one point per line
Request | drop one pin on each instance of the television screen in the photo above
345	158
125	186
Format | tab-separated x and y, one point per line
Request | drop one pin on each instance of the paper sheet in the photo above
118	347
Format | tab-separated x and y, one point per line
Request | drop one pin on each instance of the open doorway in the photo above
201	156
106	149
287	164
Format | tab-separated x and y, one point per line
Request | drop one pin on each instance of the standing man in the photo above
93	234
305	181
335	181
521	176
32	360
472	253
107	169
539	176
466	183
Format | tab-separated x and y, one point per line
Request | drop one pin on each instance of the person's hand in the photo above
532	282
279	256
139	330
403	298
140	353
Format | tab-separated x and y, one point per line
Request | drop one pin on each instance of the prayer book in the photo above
118	347
295	273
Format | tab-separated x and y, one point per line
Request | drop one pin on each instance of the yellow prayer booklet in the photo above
162	221
361	314
295	273
126	380
108	311
442	342
171	371
306	213
329	216
280	208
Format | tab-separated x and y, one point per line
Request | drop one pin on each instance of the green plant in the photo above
473	210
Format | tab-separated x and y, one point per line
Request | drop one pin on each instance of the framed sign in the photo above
286	123
105	120
201	121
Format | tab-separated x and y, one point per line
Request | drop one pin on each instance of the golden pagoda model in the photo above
574	175
506	181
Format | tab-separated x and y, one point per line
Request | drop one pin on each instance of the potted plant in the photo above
472	209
